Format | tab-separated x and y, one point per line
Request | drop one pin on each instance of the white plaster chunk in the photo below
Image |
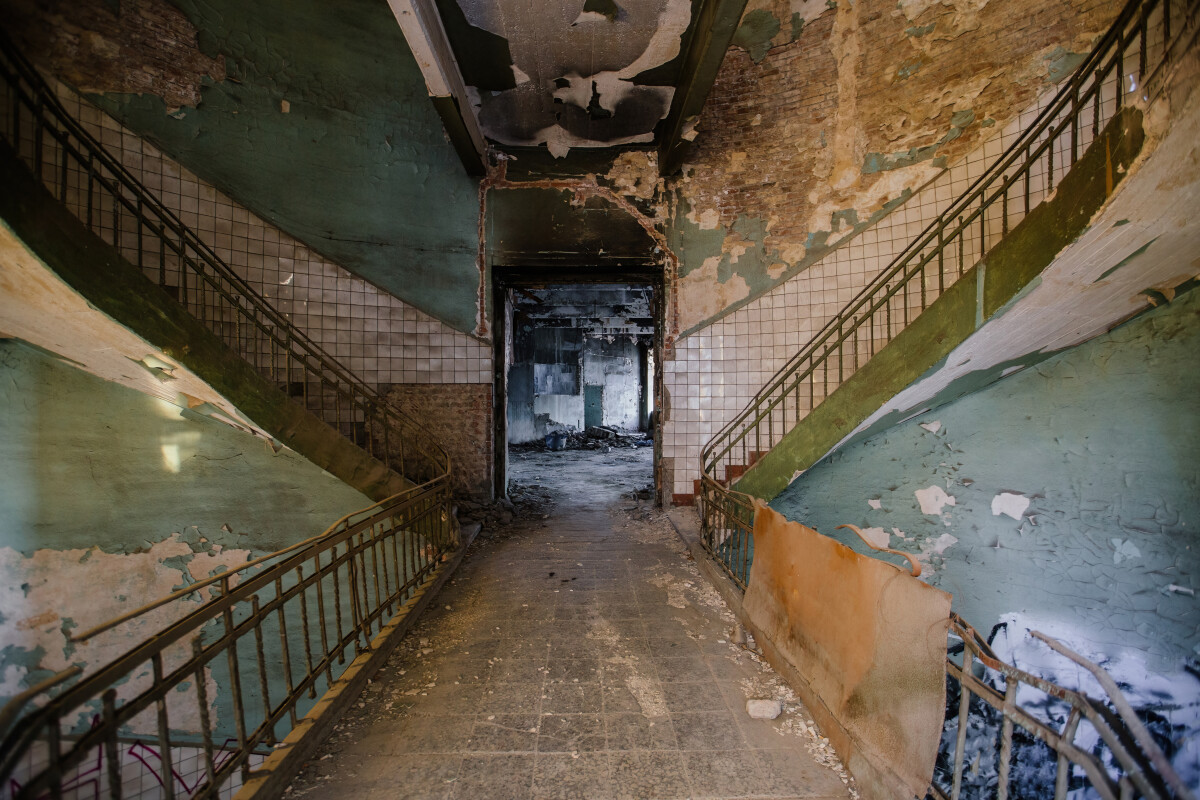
1124	550
764	709
875	503
519	75
933	499
1013	505
932	427
589	16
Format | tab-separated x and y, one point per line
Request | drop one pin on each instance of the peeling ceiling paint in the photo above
581	75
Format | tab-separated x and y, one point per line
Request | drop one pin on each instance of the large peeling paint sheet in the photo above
868	638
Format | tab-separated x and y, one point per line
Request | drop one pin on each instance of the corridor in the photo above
578	653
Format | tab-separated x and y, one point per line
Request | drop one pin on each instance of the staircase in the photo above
1056	174
261	659
77	171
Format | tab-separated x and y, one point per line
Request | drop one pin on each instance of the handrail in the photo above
341	587
123	212
218	684
1024	175
221	577
982	706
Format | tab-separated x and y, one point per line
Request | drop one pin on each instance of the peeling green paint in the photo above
985	291
910	68
694	245
1100	439
120	290
141	470
920	30
755	33
880	162
1061	63
1125	260
359	169
797	25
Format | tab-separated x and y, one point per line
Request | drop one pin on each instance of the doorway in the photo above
576	363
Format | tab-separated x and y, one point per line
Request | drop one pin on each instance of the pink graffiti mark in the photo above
86	781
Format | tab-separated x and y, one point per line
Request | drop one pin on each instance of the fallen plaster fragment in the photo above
875	503
932	427
764	709
1013	505
933	499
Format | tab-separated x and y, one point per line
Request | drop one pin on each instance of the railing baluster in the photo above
306	631
112	756
260	657
235	676
285	648
166	760
205	720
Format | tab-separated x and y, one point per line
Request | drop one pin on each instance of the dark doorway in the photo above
575	353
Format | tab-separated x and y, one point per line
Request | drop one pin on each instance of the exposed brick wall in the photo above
788	141
459	416
147	47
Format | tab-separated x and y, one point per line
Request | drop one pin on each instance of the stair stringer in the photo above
119	289
980	294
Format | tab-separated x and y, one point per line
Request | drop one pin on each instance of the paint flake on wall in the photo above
1011	504
933	499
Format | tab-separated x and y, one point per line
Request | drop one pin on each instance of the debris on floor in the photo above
583	656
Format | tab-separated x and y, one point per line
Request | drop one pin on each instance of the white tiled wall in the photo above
381	339
717	371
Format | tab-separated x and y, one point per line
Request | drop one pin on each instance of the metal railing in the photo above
1130	58
1061	737
190	711
98	189
210	694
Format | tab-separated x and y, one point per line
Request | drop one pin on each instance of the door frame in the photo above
504	280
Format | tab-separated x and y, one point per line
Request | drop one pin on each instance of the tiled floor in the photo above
581	656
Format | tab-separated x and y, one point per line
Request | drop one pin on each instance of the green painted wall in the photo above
1012	266
1101	442
358	168
110	498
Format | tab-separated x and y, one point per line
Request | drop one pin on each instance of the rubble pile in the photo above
597	437
531	502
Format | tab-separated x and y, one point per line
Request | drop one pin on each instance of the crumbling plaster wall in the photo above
825	117
609	365
311	114
1064	498
111	498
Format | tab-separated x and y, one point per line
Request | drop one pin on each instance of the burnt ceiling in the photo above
590	73
563	76
599	309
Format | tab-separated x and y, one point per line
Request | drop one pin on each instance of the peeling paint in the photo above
1106	514
933	499
1010	504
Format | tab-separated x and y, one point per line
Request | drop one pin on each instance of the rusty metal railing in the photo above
225	682
91	182
1119	760
1129	61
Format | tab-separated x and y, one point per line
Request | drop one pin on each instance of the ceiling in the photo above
598	309
531	78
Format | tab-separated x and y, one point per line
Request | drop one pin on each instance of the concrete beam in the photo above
716	22
427	39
